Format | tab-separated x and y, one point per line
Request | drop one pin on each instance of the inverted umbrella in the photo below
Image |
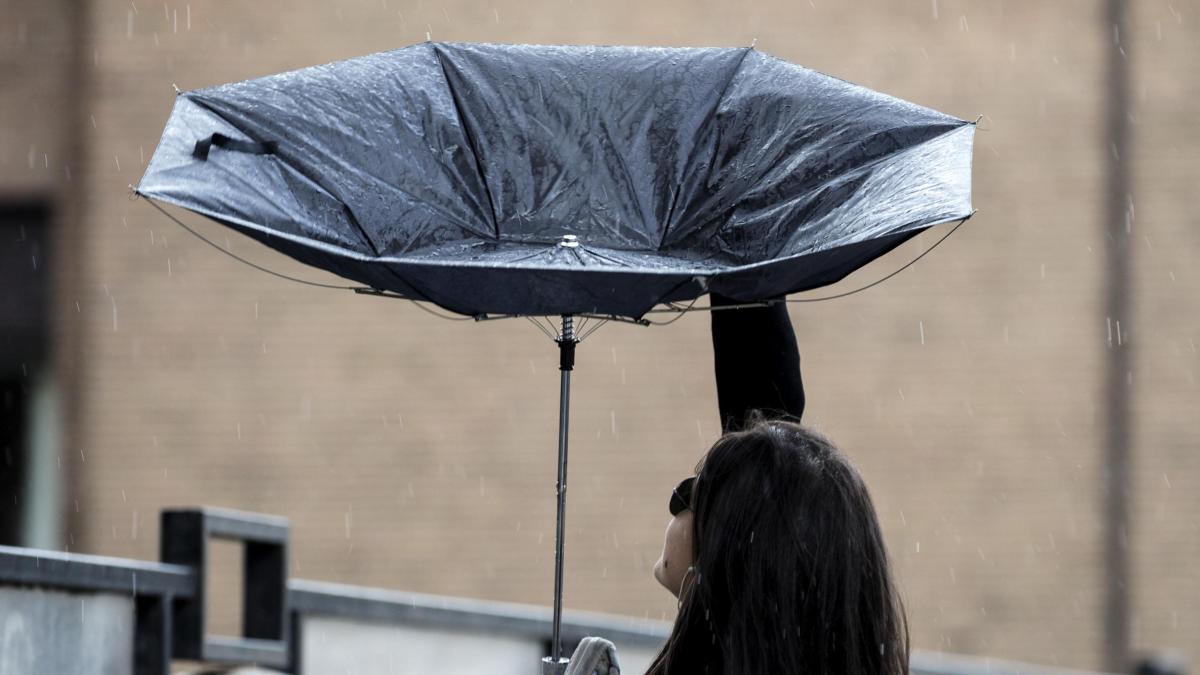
519	180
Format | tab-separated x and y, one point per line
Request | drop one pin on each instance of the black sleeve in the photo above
757	363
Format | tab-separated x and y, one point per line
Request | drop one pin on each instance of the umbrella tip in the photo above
428	36
753	43
176	88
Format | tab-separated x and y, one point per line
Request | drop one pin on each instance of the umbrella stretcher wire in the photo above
581	331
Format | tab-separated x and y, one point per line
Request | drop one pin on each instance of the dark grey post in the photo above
555	664
1118	381
184	541
152	635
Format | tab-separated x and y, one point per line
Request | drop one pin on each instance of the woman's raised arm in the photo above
757	363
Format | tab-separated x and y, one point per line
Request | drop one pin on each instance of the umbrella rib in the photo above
691	153
593	329
439	315
240	259
906	266
681	312
765	303
601	256
437	54
540	327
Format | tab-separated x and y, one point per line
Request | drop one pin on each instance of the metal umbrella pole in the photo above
556	664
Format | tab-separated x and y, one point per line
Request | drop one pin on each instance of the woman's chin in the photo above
658	574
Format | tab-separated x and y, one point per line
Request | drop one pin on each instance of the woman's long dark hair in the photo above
791	576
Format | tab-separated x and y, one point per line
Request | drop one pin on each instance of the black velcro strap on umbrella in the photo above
224	142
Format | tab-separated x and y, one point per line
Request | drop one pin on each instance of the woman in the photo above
774	550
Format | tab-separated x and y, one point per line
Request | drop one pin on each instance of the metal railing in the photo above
168	602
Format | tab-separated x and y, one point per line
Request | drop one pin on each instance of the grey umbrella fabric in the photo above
548	180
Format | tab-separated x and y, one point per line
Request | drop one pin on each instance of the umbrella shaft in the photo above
563	411
566	345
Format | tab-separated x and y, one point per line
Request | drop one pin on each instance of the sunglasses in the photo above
681	496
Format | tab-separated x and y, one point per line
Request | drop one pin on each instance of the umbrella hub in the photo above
569	241
566	340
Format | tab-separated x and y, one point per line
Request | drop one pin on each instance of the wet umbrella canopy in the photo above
539	180
533	180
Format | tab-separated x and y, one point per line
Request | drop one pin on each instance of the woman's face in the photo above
671	568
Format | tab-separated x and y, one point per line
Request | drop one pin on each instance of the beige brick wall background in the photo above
416	453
